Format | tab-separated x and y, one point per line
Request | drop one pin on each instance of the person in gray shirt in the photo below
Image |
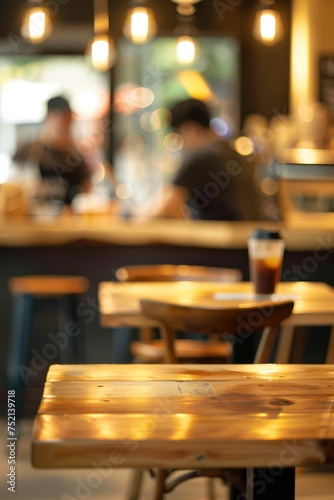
214	182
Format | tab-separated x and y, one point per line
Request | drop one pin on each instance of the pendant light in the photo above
102	48
186	45
140	25
268	26
36	23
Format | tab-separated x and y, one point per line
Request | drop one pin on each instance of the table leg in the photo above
284	344
270	484
330	348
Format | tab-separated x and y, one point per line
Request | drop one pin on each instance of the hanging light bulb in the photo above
102	49
140	25
186	50
36	23
268	27
103	52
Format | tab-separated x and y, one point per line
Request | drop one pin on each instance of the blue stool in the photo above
65	344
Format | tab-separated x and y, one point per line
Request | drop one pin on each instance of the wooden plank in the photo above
177	441
198	430
185	416
245	388
139	372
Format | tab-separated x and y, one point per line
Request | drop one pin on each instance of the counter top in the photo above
20	231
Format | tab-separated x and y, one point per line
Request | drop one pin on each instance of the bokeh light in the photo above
244	146
173	142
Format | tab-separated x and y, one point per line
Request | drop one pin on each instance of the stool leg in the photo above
74	350
137	479
211	488
18	350
160	485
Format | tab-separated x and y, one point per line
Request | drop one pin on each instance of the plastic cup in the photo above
265	251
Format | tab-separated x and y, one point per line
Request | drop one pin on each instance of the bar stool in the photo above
27	291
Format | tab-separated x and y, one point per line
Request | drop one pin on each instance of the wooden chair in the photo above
148	350
240	321
27	291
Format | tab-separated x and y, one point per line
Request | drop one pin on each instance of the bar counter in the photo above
95	246
21	231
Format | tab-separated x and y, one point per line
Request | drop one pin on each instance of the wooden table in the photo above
182	416
314	304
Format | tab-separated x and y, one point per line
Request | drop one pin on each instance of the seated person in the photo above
214	182
63	171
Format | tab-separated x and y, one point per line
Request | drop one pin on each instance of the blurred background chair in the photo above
150	350
27	291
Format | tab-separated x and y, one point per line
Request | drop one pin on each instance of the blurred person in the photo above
214	182
63	170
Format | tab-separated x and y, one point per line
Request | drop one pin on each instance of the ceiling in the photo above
264	71
76	16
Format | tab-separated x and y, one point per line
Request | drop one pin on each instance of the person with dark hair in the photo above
214	182
63	170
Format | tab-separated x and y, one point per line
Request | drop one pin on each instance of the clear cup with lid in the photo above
265	251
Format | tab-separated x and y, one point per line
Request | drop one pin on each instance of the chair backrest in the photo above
168	272
240	320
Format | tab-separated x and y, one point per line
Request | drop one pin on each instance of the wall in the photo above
311	36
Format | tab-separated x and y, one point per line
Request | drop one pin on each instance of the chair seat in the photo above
48	285
185	349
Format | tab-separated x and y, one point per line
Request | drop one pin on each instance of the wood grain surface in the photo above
185	416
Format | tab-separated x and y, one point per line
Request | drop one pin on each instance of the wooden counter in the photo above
18	231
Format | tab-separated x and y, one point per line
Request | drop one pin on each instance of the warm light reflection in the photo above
305	156
183	424
268	369
185	50
140	25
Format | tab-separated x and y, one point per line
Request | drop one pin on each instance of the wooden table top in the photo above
185	416
119	302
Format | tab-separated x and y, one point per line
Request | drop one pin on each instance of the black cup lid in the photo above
264	234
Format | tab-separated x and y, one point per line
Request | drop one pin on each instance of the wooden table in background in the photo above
314	304
181	416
